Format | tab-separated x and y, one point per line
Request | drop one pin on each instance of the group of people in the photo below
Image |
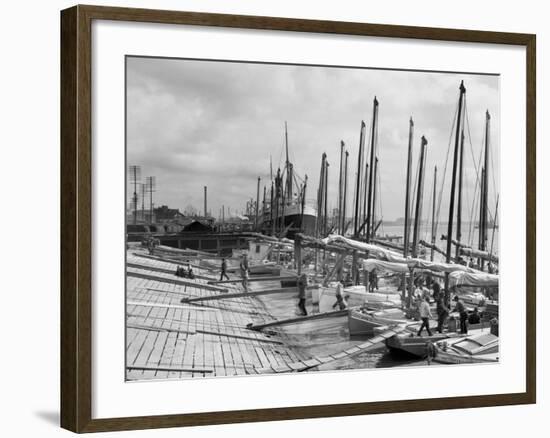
422	299
151	243
185	272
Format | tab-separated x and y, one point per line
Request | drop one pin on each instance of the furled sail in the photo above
480	279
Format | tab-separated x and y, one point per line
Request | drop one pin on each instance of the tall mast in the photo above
459	206
453	184
358	185
364	216
320	195
271	208
483	225
257	205
340	186
304	188
373	230
325	198
345	194
419	193
372	151
288	168
406	237
433	214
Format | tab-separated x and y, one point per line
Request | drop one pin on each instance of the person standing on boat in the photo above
461	309
442	311
425	315
302	283
340	299
474	317
224	270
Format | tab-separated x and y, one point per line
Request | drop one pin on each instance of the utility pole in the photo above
150	182
135	175
205	201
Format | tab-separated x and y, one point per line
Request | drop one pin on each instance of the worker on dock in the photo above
224	270
302	284
425	315
244	272
461	309
190	273
340	299
442	311
373	281
436	291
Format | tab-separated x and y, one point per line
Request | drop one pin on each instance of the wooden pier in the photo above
188	328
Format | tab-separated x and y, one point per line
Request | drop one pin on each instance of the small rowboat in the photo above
482	348
364	322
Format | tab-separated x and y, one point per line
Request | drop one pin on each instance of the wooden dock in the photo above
168	339
187	328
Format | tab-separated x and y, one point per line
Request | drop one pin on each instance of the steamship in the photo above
286	210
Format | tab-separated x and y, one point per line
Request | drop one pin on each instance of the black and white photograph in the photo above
285	218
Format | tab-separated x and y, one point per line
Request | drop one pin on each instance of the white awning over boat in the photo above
381	265
390	256
438	266
472	279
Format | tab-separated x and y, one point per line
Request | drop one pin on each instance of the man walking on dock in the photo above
425	315
302	283
224	270
244	272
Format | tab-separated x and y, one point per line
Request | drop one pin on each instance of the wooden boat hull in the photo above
410	344
449	358
365	324
481	348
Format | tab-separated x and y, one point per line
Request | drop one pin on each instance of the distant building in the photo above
165	214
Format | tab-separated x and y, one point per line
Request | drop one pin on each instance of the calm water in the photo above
470	234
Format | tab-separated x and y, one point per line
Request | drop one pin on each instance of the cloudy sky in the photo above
194	123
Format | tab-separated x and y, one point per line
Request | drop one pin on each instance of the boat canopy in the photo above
472	279
381	265
390	256
438	266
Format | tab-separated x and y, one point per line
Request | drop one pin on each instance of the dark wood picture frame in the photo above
76	217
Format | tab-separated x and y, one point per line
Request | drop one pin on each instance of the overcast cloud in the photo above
196	123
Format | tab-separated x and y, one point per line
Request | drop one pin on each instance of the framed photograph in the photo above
270	218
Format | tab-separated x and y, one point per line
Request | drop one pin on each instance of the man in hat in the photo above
461	309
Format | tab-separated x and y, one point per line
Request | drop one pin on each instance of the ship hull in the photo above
293	219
